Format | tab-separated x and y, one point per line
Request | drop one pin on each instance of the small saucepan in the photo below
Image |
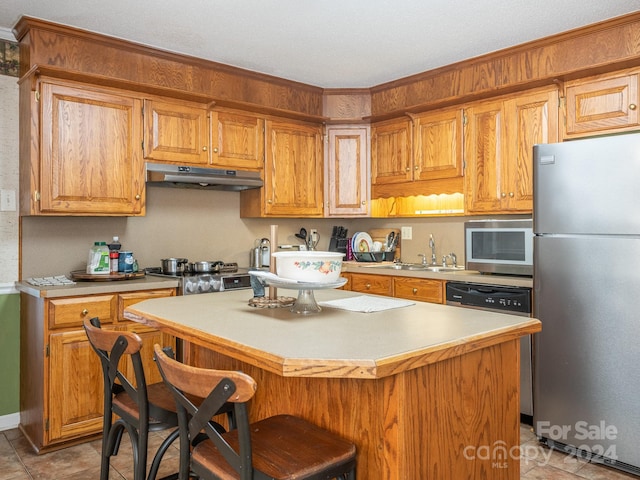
204	267
172	266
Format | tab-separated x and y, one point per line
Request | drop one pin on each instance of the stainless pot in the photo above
172	266
204	267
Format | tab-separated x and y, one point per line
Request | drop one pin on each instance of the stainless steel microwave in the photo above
499	246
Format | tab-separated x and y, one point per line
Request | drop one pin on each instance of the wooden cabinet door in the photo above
293	169
437	145
149	335
422	289
347	171
499	140
483	156
529	120
176	132
91	161
149	338
75	402
377	284
237	140
601	104
391	152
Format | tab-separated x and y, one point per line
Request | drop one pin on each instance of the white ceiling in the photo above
327	43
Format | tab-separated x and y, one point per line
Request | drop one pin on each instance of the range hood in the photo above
178	176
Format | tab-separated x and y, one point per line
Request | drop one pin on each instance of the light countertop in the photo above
148	282
333	343
470	276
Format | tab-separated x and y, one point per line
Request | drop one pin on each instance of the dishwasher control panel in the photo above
497	298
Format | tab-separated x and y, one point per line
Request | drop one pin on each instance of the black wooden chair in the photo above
282	447
141	408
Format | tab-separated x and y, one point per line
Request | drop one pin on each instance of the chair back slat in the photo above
200	381
217	387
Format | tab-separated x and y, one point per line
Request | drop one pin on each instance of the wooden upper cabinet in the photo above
176	132
437	144
347	162
602	104
499	138
237	140
293	169
391	152
90	152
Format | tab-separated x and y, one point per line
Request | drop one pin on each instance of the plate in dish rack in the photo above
361	242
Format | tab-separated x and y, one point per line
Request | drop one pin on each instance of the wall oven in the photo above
499	246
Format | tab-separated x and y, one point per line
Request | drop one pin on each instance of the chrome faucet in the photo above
452	256
432	245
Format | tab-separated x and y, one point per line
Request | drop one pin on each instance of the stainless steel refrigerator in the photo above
586	285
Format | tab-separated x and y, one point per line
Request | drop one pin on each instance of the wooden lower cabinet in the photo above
422	289
411	288
376	284
61	389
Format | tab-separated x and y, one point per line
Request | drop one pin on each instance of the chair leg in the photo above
155	465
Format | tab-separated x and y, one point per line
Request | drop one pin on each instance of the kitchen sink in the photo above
418	267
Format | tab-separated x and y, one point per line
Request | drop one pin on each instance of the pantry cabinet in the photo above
499	136
293	173
176	132
602	104
80	150
347	160
61	399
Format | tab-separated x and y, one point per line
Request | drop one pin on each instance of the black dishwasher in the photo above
501	299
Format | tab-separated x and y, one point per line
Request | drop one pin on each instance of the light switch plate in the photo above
406	233
8	200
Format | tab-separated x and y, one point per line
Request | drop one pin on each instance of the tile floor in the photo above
82	462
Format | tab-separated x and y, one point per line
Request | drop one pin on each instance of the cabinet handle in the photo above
503	195
215	150
511	194
204	149
632	106
408	169
138	197
415	291
269	201
364	202
85	312
416	168
368	286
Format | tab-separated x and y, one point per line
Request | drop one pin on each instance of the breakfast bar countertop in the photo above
333	343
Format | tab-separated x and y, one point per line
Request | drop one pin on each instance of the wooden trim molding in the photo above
599	48
606	46
99	56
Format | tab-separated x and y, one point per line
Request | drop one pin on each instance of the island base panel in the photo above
457	418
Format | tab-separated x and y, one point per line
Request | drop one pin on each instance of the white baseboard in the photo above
7	422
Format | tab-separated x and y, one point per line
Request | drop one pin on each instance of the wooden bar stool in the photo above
282	447
141	408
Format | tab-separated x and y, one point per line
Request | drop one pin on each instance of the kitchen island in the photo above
425	391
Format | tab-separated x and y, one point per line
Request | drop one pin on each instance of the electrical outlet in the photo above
406	233
8	200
